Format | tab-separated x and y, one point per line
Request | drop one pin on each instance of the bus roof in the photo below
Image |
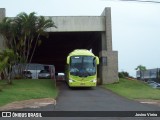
82	52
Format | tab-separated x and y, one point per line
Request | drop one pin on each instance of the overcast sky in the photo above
135	25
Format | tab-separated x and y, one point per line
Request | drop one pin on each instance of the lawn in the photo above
25	89
134	89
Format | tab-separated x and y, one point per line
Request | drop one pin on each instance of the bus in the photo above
81	68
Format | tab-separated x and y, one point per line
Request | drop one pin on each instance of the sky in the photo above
135	25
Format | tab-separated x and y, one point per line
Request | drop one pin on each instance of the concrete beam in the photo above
2	16
108	27
2	13
77	23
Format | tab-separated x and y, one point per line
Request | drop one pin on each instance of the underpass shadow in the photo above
81	88
62	85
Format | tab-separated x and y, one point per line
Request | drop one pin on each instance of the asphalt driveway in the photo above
96	99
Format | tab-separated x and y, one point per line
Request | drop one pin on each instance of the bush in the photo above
123	74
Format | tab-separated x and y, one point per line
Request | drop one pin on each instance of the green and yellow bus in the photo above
81	68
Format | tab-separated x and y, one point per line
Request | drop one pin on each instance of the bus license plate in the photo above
82	83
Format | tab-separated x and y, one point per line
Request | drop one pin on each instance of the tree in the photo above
29	29
141	69
22	34
7	59
3	62
123	74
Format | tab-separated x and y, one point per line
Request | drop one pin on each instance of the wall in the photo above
77	23
2	15
109	58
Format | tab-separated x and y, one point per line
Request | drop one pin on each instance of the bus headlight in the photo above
71	80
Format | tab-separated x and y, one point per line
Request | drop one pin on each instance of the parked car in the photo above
158	86
154	85
44	74
150	81
27	74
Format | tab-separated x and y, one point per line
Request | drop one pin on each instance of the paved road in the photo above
96	99
93	99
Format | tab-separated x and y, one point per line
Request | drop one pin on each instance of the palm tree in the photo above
7	59
8	32
3	62
30	29
42	26
22	34
25	25
141	69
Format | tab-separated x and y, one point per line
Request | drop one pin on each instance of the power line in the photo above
145	1
149	1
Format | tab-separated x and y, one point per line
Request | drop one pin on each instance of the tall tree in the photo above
7	60
30	28
141	69
22	34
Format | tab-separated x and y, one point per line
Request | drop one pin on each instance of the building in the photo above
78	32
149	74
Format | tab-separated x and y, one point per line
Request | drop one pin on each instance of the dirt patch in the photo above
149	101
33	103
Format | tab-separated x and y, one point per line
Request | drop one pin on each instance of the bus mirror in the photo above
68	60
97	60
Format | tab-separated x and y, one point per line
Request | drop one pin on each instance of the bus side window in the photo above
94	61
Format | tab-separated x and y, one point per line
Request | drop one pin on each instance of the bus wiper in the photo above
83	74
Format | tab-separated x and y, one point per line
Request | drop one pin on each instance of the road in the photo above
93	99
96	99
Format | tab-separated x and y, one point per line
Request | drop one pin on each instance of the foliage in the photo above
134	89
123	74
22	34
27	89
7	60
141	69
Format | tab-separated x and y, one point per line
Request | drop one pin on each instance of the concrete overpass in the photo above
78	32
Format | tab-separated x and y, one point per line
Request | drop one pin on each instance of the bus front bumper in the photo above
82	84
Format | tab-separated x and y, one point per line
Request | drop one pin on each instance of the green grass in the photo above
134	89
27	89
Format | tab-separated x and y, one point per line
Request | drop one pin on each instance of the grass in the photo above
25	89
134	89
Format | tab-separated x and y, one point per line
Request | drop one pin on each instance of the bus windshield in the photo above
83	66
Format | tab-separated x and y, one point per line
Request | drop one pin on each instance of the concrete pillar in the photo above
2	15
108	69
108	27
